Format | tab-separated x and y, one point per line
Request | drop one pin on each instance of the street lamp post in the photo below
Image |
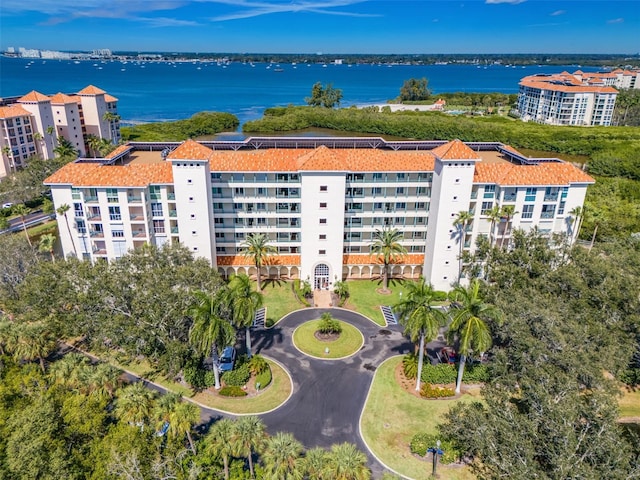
435	451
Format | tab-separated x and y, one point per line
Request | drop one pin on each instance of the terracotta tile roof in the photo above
569	84
455	150
190	150
242	261
13	111
550	173
61	99
110	98
119	149
91	90
97	175
34	96
322	158
408	259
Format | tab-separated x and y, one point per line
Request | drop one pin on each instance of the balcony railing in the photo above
140	234
90	199
134	199
95	234
173	213
509	198
94	217
551	197
474	194
174	230
171	196
136	217
547	215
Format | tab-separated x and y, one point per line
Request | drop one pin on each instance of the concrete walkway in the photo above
322	299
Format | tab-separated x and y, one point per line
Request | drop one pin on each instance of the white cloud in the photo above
558	12
616	20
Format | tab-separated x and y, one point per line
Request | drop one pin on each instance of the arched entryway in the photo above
321	276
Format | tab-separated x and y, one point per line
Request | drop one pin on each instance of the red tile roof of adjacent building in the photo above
118	150
34	96
91	90
97	175
242	261
190	150
545	173
455	150
61	99
13	111
110	98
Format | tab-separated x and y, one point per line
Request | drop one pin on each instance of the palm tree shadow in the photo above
272	282
266	338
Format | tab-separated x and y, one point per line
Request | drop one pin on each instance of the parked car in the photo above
7	205
227	359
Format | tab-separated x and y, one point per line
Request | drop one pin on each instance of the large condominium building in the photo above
319	201
565	99
34	123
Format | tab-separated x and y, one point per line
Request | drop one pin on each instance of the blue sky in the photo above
327	26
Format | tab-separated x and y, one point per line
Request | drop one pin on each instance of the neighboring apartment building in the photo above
565	99
319	200
32	124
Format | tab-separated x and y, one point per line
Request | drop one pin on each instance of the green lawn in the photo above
630	404
392	416
364	298
279	299
349	342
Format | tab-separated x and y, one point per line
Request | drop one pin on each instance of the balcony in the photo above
90	199
96	234
173	213
551	197
136	217
547	214
134	199
139	234
509	198
171	195
174	230
474	194
94	217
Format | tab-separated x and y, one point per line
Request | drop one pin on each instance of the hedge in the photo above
232	391
264	378
237	377
444	372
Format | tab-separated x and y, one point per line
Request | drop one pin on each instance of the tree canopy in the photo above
414	89
324	96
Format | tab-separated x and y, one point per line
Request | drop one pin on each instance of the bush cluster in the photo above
630	376
443	372
421	442
200	124
232	391
429	391
301	290
328	324
264	378
237	377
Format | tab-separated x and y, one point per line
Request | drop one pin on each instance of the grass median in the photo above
348	343
391	417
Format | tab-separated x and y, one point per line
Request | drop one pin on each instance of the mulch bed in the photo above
409	385
326	337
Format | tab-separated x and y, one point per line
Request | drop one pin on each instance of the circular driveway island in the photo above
328	396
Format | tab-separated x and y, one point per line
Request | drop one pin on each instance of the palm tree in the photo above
103	380
62	211
244	301
386	242
134	404
469	312
282	458
257	248
577	215
420	317
507	214
7	335
209	331
50	131
69	370
182	417
93	143
248	438
346	462
219	442
463	218
22	210
33	341
494	215
47	243
315	463
65	149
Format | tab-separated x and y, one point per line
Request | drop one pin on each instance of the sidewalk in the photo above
322	298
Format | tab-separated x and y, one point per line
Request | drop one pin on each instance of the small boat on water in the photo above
278	69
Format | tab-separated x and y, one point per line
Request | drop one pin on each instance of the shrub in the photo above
194	375
447	373
238	376
631	377
429	391
410	365
264	378
421	442
232	391
328	324
269	322
209	379
257	364
301	290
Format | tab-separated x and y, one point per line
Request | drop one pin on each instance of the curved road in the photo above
328	395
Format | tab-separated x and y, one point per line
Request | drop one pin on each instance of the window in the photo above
221	249
377	176
322	236
527	211
193	232
77	209
561	207
239	190
323	221
323	205
420	205
114	214
82	228
156	209
548	211
323	188
376	191
486	208
400	177
261	206
154	192
112	195
158	226
262	221
530	195
218	221
219	235
401	205
399	190
489	191
191	199
117	233
322	252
